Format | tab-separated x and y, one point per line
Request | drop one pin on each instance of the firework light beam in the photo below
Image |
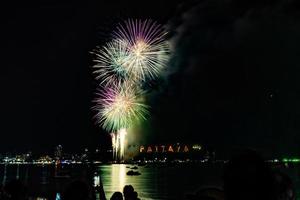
117	147
119	107
146	45
113	143
118	140
122	135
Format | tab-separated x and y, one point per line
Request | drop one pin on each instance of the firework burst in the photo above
137	53
148	51
119	107
111	63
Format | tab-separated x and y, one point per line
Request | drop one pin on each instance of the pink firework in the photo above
119	107
147	47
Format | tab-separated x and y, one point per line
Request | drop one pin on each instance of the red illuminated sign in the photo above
165	148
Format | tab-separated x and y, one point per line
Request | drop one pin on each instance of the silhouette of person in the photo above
117	196
128	192
248	177
284	186
15	190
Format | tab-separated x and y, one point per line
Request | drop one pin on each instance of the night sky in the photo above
232	81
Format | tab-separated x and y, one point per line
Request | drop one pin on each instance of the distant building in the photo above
58	153
45	160
85	155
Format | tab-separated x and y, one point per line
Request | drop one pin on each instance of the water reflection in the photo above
18	172
41	198
44	176
114	178
155	182
97	196
118	176
4	174
57	197
26	174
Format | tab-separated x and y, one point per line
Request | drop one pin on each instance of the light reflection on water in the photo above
114	179
167	182
155	182
41	198
57	196
118	177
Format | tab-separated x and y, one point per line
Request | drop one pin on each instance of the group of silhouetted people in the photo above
249	177
14	190
128	194
246	177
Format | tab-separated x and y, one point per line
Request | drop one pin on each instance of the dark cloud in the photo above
232	81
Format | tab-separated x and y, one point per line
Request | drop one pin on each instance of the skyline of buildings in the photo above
134	154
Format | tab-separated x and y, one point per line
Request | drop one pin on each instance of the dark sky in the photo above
234	77
45	81
222	91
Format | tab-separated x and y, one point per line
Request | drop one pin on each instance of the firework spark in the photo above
146	45
119	107
111	63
